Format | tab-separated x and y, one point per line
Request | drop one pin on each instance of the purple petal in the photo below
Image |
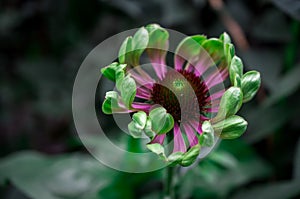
159	67
216	95
141	106
143	93
216	78
196	125
179	144
204	62
159	139
189	131
141	77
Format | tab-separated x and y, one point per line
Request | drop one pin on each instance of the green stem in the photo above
169	183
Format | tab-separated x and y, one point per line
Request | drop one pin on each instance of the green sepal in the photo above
110	102
111	70
228	47
215	48
140	119
207	137
190	47
237	81
158	37
158	149
175	158
225	38
230	103
148	128
139	44
128	90
235	70
231	128
190	156
250	84
125	51
134	130
162	122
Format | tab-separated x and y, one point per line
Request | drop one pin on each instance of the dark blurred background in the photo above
42	44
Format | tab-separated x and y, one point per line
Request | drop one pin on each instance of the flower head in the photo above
186	105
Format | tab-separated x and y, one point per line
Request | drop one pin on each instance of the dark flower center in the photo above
182	94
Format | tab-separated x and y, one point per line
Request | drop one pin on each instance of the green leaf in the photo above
128	90
230	103
235	70
250	85
297	162
125	51
285	86
40	176
111	70
162	122
231	128
190	156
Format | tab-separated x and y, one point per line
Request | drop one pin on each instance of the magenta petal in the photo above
142	78
189	131
216	95
179	144
143	93
159	67
196	125
159	139
203	64
212	109
141	106
216	78
179	61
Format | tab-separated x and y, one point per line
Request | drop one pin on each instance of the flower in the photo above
187	103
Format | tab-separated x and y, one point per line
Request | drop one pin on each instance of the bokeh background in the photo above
42	44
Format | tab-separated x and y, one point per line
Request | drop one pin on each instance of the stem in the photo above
169	183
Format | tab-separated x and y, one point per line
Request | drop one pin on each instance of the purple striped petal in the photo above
160	69
159	139
141	77
189	131
216	78
179	145
141	106
144	93
216	95
196	125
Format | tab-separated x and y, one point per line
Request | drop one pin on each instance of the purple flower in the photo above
185	103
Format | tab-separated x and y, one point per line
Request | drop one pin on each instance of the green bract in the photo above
207	136
111	102
250	85
128	90
162	122
230	103
112	70
236	71
231	128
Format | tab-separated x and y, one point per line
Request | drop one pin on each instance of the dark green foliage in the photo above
43	43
